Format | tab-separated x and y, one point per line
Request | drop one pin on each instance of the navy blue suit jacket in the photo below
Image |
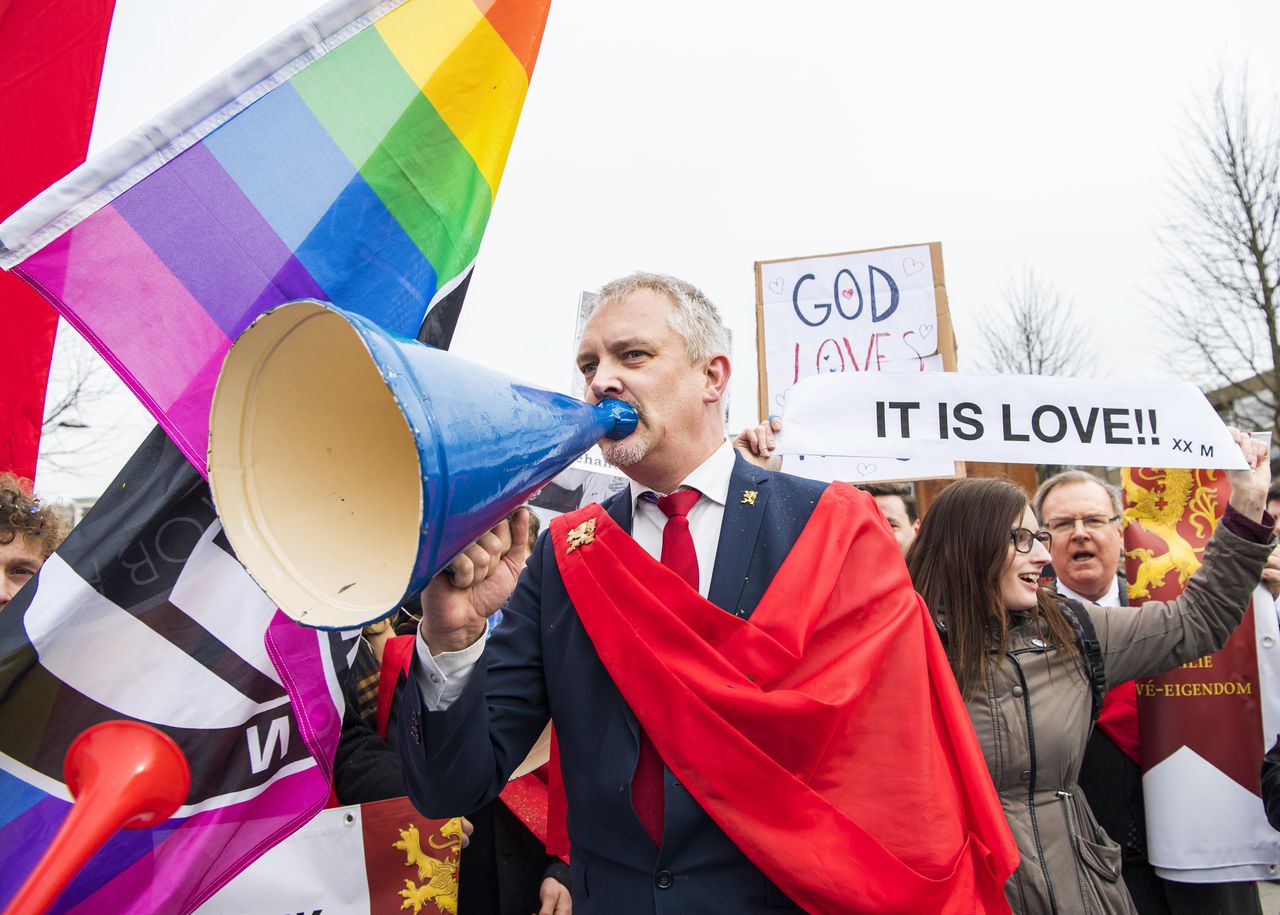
540	663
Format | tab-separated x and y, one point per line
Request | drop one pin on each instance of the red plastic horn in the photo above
123	774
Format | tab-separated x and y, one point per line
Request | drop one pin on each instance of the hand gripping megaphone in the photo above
123	775
348	466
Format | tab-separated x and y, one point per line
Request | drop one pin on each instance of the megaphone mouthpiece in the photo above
620	417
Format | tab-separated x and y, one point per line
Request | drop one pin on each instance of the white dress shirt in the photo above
442	678
1110	599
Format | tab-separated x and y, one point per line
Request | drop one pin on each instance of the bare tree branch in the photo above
1036	332
74	432
1222	239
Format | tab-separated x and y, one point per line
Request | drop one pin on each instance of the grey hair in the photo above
694	317
1074	476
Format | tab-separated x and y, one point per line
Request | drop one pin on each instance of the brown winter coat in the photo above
1032	718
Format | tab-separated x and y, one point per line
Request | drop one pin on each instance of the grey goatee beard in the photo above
631	450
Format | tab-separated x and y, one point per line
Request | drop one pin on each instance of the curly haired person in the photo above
30	530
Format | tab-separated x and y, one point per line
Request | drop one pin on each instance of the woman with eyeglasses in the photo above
1016	650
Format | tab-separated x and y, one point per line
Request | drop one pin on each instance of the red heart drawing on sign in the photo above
847	293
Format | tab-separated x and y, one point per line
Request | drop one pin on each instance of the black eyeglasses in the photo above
1023	538
1091	523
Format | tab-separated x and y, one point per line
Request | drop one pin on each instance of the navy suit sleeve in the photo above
459	759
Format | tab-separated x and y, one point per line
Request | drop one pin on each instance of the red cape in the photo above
1119	720
825	735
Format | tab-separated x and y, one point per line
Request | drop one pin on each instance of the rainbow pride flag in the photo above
354	159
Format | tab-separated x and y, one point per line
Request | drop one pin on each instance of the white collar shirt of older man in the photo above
1110	599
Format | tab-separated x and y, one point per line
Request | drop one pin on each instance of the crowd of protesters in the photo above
1025	591
1035	649
1033	663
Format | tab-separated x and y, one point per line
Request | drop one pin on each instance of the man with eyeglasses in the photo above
1083	513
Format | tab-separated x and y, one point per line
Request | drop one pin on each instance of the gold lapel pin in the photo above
749	496
581	535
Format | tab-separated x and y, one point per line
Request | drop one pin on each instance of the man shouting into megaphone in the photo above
752	705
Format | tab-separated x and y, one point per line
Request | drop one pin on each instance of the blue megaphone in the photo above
348	466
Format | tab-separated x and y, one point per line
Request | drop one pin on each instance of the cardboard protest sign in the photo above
876	312
1206	724
1015	418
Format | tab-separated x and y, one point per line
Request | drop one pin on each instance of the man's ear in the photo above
717	378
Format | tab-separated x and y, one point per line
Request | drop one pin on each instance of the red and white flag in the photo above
366	859
1205	725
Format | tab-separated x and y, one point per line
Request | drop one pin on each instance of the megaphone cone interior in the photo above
348	466
303	429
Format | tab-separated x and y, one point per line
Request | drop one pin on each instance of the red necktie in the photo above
678	555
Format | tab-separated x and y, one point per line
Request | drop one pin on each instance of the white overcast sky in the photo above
697	138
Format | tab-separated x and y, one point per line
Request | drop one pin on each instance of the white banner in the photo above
866	469
319	867
381	858
1019	419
